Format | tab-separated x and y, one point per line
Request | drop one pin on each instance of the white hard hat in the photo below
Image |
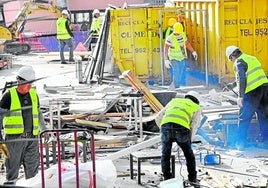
27	73
96	11
65	12
230	50
193	94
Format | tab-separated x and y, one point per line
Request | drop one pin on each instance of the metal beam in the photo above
127	151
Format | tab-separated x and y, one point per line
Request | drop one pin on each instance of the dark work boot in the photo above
167	176
194	183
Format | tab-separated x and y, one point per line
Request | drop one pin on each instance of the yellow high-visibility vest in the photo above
255	74
62	32
96	26
180	111
13	122
177	53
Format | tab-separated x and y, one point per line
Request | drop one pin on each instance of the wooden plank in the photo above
138	85
116	141
89	115
93	123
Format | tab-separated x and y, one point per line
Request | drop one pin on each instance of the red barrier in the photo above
57	133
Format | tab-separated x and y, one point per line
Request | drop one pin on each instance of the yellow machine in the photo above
11	33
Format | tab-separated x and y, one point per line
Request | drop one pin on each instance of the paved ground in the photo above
250	166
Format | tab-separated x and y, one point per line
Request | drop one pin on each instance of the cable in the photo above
178	150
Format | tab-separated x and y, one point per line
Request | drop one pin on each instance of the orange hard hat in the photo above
177	28
171	22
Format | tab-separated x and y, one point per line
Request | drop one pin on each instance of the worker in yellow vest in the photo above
252	95
65	36
178	122
169	30
23	122
175	53
95	28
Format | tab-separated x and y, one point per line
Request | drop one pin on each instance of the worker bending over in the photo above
177	121
21	124
175	53
252	95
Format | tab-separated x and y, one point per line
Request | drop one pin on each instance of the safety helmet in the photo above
95	11
177	28
27	73
193	95
65	12
171	22
230	50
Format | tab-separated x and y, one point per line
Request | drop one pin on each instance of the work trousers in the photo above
24	153
254	101
178	73
62	44
171	132
92	43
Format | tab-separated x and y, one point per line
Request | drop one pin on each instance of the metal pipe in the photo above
42	161
205	44
59	159
76	159
229	171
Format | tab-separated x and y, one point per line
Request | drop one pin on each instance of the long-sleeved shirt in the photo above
241	67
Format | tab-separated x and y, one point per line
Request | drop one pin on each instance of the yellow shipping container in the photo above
229	22
211	26
135	38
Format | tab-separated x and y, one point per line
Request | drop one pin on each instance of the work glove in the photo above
195	56
239	101
231	85
167	64
4	150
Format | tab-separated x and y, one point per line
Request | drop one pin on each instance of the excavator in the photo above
10	35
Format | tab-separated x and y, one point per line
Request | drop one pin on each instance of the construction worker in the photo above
176	121
65	36
95	28
175	53
252	95
169	30
21	123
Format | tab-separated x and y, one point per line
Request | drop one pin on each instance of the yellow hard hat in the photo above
171	22
177	28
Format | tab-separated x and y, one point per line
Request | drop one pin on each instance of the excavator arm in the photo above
11	33
30	7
